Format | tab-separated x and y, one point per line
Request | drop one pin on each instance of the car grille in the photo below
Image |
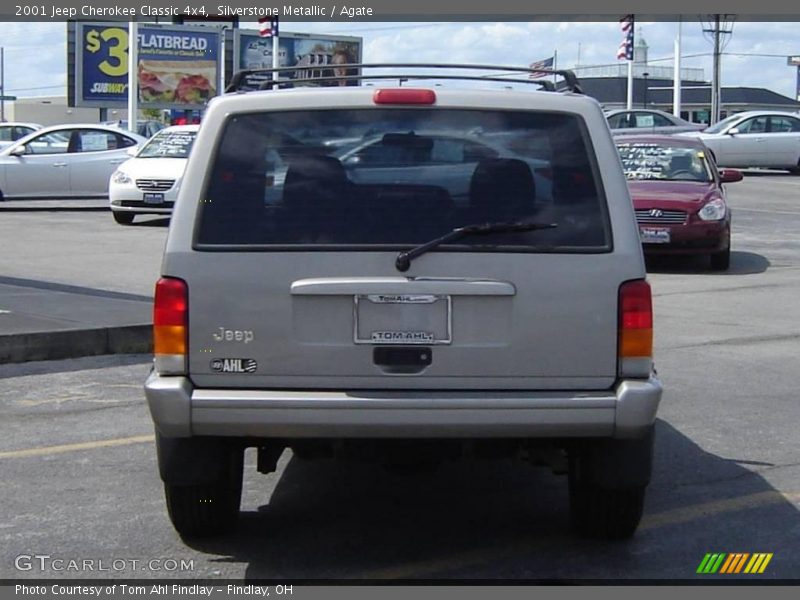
154	185
657	216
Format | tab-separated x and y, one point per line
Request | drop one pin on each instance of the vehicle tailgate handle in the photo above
347	286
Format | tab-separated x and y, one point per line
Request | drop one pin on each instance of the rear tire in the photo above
607	483
123	218
721	261
204	510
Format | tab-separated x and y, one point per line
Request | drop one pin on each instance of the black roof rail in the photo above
256	79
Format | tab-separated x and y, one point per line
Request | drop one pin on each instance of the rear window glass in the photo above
387	177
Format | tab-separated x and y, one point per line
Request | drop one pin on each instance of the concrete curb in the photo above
74	343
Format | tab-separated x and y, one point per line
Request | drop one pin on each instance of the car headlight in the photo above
713	211
120	177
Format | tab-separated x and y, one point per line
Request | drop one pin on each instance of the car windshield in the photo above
658	161
388	177
724	124
168	144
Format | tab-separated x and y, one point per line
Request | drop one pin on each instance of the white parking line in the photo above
47	450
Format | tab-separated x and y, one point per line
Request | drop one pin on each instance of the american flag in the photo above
547	63
268	26
625	51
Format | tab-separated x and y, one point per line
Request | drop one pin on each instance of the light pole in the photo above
645	75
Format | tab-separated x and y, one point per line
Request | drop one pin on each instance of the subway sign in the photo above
178	66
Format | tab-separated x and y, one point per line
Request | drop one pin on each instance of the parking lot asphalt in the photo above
48	320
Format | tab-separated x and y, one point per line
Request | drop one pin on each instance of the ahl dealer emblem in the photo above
656	212
234	365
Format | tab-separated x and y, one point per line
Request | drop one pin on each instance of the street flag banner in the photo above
625	51
547	63
268	27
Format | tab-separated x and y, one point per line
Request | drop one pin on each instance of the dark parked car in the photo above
678	196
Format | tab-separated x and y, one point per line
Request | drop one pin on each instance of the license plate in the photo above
403	319
654	235
154	198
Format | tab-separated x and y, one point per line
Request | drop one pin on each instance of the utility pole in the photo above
716	97
2	86
676	74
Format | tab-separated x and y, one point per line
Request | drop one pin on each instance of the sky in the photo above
755	52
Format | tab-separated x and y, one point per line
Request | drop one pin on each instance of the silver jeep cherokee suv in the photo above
404	273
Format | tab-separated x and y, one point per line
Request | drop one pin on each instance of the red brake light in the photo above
170	302
635	320
636	305
404	96
169	325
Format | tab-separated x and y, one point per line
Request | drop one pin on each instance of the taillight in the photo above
635	329
404	96
170	317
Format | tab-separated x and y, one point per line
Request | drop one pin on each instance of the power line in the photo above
756	54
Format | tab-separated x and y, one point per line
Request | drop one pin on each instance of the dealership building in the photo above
653	88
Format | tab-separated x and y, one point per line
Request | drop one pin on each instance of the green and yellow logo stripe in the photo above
731	563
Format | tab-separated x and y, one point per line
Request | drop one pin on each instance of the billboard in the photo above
178	66
319	53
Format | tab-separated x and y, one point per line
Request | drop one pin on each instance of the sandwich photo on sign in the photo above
177	82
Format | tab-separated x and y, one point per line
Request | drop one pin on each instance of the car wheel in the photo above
2	198
204	510
123	218
607	482
720	261
605	514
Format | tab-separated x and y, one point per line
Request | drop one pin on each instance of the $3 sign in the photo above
116	64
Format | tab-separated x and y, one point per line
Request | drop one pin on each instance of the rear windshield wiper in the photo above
403	261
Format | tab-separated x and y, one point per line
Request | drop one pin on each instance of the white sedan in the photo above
755	139
148	183
64	161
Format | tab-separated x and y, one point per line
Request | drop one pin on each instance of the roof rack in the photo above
263	79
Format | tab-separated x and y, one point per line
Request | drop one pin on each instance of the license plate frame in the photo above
440	307
655	235
153	198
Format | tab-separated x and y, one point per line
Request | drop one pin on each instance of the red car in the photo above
678	196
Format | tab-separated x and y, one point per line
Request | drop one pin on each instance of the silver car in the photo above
380	319
64	161
448	158
755	139
11	132
648	121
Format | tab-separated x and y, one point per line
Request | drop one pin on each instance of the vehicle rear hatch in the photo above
294	280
